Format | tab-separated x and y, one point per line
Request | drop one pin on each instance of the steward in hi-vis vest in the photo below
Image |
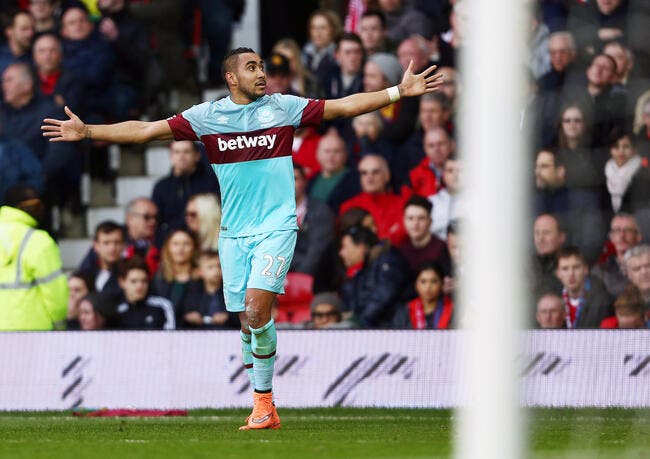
33	288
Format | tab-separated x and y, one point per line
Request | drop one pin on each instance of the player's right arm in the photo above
74	129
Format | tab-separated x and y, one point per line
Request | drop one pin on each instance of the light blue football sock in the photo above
263	344
247	356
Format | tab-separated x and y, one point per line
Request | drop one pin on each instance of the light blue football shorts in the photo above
259	261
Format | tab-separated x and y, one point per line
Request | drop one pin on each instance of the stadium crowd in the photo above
379	198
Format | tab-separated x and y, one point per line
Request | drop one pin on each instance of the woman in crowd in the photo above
95	311
79	285
177	269
303	82
318	52
432	309
628	179
203	218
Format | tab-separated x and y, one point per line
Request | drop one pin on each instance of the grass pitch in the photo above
313	433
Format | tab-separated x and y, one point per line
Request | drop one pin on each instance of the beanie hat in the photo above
326	298
389	66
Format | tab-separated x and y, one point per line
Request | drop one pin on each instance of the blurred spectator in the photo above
326	312
453	247
18	28
304	150
368	138
96	312
538	61
54	80
140	310
375	278
594	23
434	111
205	306
188	176
562	52
80	284
137	75
628	311
21	116
318	52
203	218
642	125
384	206
177	269
550	311
372	31
459	23
450	85
141	224
43	14
18	165
585	299
624	62
315	228
108	246
336	182
421	245
628	180
637	265
33	288
548	239
278	75
346	77
403	20
624	234
303	82
89	58
448	203
417	50
426	178
432	309
381	71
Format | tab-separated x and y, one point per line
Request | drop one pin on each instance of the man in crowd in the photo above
550	311
347	76
19	33
585	299
33	288
108	246
548	238
188	176
372	30
624	234
448	204
54	80
637	264
426	178
384	206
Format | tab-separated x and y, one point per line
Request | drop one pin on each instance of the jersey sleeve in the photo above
188	125
301	111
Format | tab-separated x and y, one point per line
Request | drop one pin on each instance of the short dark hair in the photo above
558	160
430	266
361	235
130	264
18	194
87	279
419	201
108	226
228	61
571	251
376	13
9	18
349	36
208	254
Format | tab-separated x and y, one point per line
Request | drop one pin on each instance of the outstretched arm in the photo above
74	129
357	104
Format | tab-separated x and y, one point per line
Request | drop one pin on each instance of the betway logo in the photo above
242	141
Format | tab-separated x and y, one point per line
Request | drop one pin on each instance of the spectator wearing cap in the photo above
326	312
346	77
33	288
381	71
278	75
375	278
18	28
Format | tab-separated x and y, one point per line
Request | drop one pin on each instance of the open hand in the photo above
69	130
416	85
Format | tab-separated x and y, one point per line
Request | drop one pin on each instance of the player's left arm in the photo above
357	104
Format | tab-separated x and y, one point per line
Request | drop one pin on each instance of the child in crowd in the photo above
205	306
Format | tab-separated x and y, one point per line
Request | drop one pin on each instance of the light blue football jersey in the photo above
249	147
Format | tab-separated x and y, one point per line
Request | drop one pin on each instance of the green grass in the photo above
313	433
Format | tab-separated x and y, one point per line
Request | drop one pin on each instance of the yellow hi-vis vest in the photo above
33	288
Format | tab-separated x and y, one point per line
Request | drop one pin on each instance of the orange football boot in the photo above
264	415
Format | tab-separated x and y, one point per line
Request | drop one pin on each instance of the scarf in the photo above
442	314
619	178
572	312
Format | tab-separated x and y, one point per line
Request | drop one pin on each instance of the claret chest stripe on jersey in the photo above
235	147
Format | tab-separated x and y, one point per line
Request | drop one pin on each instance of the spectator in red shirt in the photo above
53	79
384	206
628	310
426	177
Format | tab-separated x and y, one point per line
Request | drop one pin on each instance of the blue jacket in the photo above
18	165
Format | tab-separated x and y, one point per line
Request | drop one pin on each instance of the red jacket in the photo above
305	156
423	180
387	210
609	322
418	319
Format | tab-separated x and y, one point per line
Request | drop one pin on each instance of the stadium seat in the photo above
294	305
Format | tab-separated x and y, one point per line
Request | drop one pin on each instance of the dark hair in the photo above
571	251
430	266
617	133
610	58
299	168
453	227
208	254
361	235
227	63
376	13
349	36
9	17
352	217
108	226
86	278
18	194
419	201
130	264
102	304
630	302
